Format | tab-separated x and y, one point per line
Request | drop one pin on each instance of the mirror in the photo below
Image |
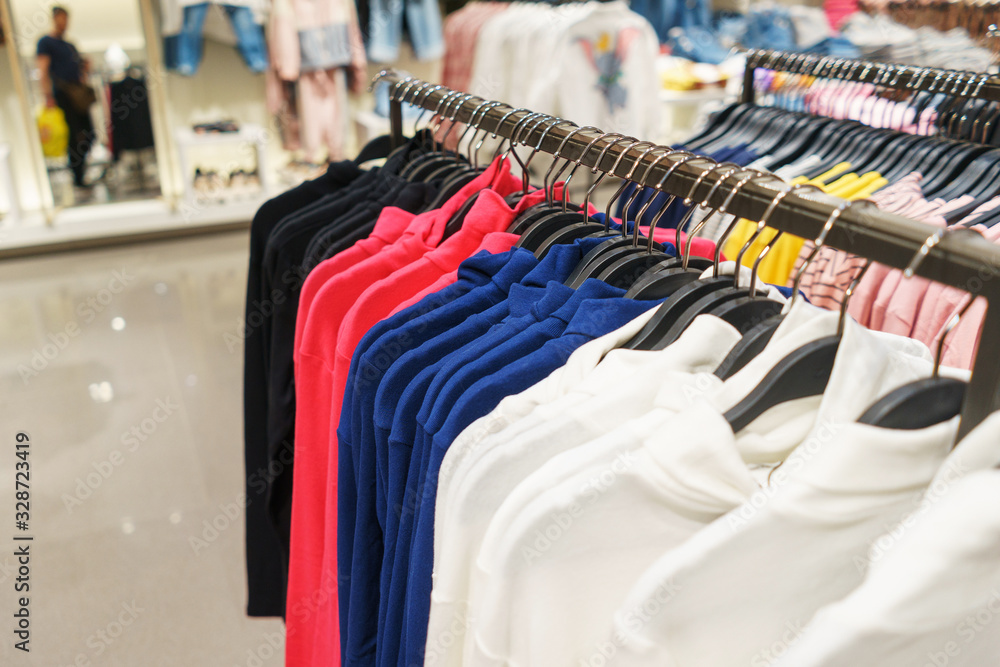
85	64
20	157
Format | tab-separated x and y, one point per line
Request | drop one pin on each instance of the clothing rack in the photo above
975	16
973	85
966	261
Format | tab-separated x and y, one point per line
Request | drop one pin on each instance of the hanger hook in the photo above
555	160
378	77
929	244
454	115
730	168
496	130
684	158
515	135
426	89
818	244
577	164
751	174
556	122
761	225
564	166
645	207
451	113
553	123
848	293
604	174
438	118
625	181
637	190
952	323
486	132
409	82
472	121
473	153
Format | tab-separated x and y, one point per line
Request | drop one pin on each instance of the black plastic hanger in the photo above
568	222
550	218
577	224
807	370
435	156
710	294
663	279
601	258
614	240
749	346
376	149
690	290
609	261
456	221
535	213
718	123
747	311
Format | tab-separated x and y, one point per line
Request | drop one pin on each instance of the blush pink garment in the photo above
895	307
961	344
904	308
868	303
827	278
859	102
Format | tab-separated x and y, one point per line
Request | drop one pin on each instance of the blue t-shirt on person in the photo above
65	63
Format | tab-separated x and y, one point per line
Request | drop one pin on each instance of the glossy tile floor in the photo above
125	369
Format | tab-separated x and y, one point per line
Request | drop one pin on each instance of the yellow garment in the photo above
862	184
833	173
777	266
841	184
870	189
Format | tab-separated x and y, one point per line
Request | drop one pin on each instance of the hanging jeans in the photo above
385	29
183	51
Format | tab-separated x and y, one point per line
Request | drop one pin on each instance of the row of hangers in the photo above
644	268
956	96
951	168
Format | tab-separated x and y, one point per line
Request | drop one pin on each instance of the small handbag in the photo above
80	95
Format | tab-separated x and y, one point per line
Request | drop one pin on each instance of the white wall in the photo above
223	88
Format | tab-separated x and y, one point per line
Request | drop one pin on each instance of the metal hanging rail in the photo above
966	261
975	85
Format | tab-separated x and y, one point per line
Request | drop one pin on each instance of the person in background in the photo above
61	68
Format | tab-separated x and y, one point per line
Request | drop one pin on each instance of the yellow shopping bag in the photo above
54	131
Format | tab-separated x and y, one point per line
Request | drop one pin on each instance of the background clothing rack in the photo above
966	261
973	85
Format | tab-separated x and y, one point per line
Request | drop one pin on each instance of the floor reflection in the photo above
118	365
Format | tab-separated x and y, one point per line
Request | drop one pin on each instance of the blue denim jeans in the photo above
667	14
385	29
183	51
770	29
